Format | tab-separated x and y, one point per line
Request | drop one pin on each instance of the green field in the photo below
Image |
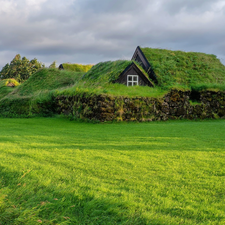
56	171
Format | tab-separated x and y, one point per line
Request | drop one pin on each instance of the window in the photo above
132	80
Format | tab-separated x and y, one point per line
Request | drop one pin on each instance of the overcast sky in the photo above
90	31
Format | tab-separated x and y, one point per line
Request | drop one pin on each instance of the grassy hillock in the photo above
106	71
76	67
109	71
35	96
184	68
98	79
101	77
46	80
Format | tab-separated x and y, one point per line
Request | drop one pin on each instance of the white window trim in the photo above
132	81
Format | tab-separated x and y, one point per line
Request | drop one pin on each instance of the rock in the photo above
175	105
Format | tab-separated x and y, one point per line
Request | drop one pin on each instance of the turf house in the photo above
139	57
169	68
124	72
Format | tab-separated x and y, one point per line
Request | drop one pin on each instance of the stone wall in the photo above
175	105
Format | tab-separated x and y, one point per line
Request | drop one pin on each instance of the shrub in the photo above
20	69
7	82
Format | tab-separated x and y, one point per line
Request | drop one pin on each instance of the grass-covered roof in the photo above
109	71
48	79
185	68
76	67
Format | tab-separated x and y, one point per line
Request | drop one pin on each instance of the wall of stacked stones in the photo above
174	105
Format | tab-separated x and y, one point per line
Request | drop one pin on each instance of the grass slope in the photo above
48	79
76	67
34	97
101	77
109	71
4	89
116	89
184	68
54	171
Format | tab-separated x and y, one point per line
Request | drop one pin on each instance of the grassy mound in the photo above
76	67
35	96
109	71
106	71
46	80
184	68
100	80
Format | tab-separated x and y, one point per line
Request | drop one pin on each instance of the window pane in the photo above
129	78
135	78
129	83
135	83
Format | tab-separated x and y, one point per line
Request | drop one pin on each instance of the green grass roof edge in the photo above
185	68
110	71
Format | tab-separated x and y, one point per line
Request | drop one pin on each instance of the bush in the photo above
9	83
20	69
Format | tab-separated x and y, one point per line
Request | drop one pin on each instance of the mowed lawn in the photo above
56	171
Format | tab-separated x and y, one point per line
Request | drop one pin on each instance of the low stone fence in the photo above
174	105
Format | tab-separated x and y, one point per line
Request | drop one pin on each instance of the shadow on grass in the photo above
193	214
153	145
36	203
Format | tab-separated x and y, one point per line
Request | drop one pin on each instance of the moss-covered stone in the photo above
175	105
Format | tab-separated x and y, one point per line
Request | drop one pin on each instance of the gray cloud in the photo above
190	6
89	31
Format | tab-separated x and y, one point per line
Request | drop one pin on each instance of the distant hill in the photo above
75	67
